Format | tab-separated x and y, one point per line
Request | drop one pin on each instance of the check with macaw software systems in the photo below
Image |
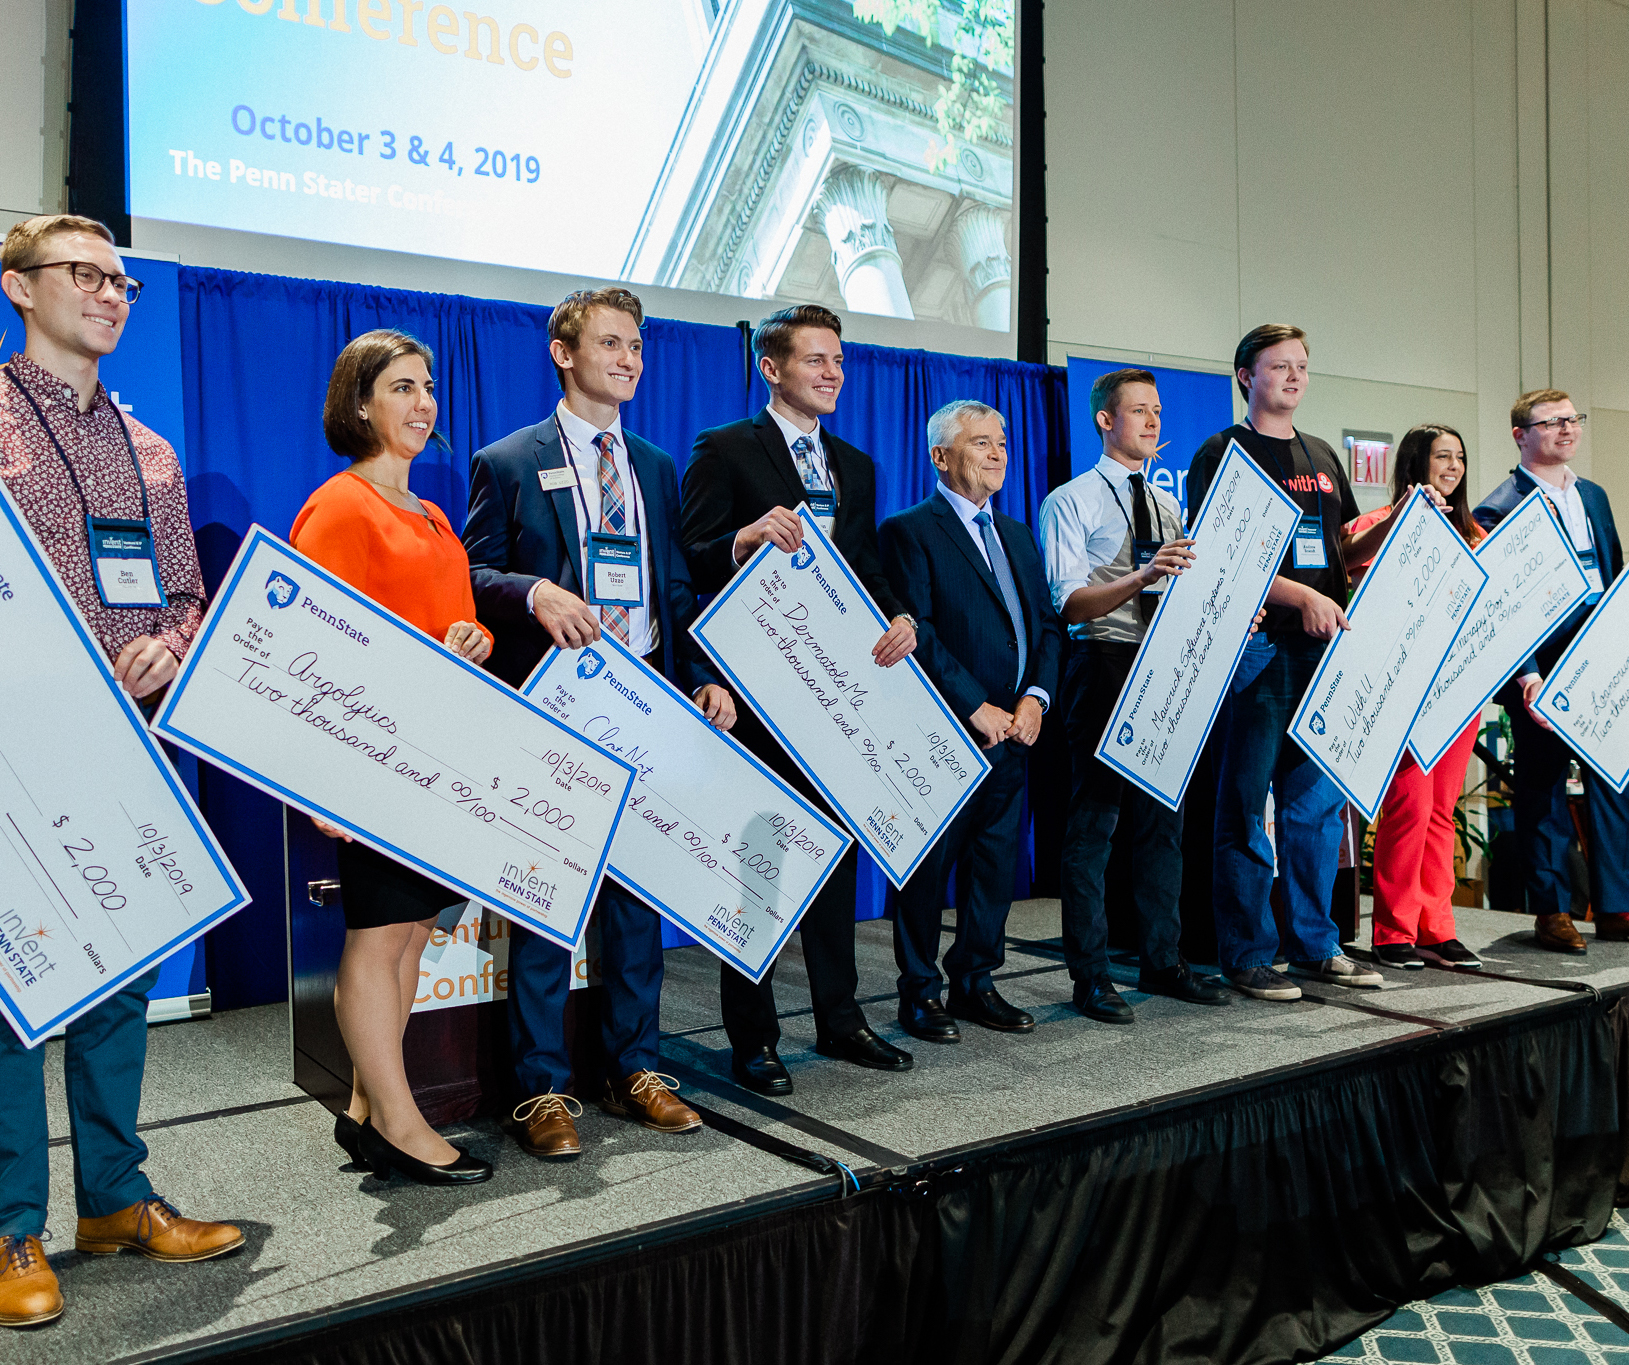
303	687
1587	692
106	866
794	634
1192	646
1357	712
712	839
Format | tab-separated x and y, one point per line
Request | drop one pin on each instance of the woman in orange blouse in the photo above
366	526
1414	845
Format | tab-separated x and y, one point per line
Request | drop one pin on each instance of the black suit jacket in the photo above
516	534
965	641
738	472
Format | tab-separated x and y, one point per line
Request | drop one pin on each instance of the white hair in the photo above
946	424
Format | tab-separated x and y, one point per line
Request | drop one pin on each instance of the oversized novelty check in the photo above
794	634
1192	646
1357	711
1587	692
308	690
1534	582
106	866
712	839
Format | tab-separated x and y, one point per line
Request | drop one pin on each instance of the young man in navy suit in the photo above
534	498
988	637
1547	427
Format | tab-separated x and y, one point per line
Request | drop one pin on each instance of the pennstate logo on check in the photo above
589	663
803	556
281	590
1326	483
1561	702
1316	724
1124	737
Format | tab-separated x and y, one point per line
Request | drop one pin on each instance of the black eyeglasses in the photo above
91	278
1556	423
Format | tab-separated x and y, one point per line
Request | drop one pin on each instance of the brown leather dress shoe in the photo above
647	1097
1612	928
1556	933
28	1286
155	1228
546	1127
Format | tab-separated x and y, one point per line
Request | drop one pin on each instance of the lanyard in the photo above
63	455
1280	468
633	501
1153	502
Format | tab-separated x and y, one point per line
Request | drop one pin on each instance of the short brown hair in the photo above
775	333
27	240
569	315
1257	340
1106	389
1521	411
359	365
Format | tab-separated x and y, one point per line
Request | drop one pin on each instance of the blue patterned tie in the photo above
803	453
1009	589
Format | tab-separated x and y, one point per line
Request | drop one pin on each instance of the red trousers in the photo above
1414	848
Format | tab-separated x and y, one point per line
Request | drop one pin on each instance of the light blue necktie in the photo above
808	471
1009	589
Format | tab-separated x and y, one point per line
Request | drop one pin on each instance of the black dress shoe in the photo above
1180	983
1097	999
864	1048
761	1072
989	1010
348	1133
384	1158
927	1020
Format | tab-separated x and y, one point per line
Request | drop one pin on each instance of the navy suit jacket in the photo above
964	639
517	534
1608	553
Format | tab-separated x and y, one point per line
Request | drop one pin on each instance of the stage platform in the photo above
335	1257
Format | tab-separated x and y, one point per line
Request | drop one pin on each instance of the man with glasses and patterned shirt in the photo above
80	470
1547	429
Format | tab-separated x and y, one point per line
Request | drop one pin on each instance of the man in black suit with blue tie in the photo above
1547	429
546	504
988	637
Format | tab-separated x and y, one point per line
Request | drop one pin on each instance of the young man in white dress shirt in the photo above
1112	542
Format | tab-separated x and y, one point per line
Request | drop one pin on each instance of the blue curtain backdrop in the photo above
256	355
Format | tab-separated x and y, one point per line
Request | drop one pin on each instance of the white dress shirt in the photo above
965	512
1086	534
644	632
791	432
1570	507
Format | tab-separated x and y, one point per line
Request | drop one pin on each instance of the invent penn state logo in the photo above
1316	724
1560	702
281	590
589	663
803	556
1125	735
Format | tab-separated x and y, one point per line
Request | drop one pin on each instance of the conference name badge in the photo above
614	570
1308	550
1143	552
126	570
552	480
822	507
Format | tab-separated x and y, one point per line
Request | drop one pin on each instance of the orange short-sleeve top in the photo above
414	565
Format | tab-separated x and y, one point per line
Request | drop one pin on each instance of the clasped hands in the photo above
993	725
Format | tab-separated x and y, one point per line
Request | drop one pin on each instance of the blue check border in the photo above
631	880
1234	452
98	659
1619	781
743	576
166	725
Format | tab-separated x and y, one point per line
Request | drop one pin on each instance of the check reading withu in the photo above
106	865
794	634
712	839
308	690
1192	646
1586	696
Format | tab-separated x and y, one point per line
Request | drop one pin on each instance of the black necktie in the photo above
1141	529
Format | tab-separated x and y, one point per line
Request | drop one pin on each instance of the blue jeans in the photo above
1254	753
103	1059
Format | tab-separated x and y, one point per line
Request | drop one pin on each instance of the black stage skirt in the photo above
377	890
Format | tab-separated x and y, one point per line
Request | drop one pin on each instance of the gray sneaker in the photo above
1340	970
1263	983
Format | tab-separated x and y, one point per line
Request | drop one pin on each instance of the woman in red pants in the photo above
1414	844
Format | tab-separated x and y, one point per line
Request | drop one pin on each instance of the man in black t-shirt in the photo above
1254	753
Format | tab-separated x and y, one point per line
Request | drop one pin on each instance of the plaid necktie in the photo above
613	518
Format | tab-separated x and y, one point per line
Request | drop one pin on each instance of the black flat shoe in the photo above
1097	999
988	1010
761	1072
384	1158
1180	983
1455	953
864	1048
927	1020
1401	955
348	1133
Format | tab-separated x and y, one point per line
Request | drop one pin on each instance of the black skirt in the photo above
377	890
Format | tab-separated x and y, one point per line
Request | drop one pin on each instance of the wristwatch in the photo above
908	619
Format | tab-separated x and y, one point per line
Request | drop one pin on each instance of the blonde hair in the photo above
26	242
571	313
